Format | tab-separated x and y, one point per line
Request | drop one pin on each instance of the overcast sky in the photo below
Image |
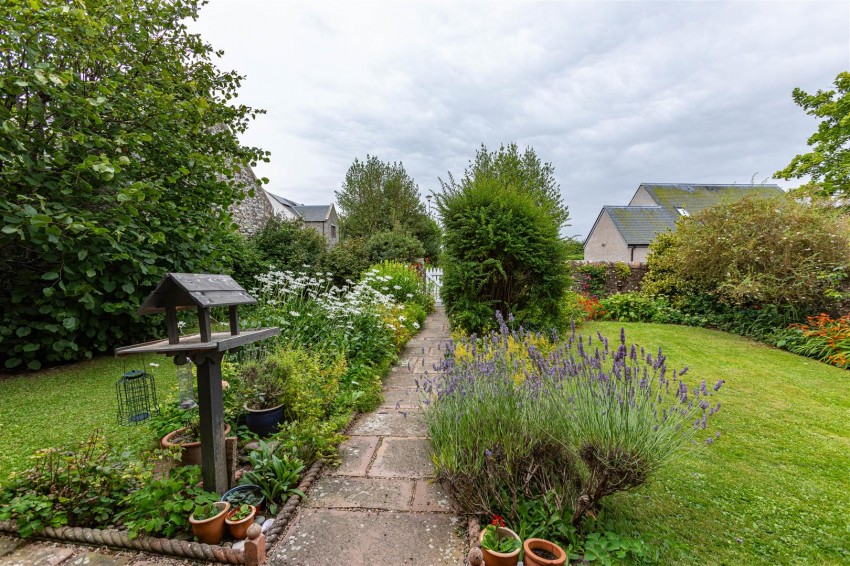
611	93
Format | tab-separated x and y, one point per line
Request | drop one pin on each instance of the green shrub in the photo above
401	281
347	260
516	415
76	486
502	252
290	245
276	472
635	307
394	246
162	507
752	253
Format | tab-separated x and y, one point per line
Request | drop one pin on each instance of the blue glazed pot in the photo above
255	489
265	421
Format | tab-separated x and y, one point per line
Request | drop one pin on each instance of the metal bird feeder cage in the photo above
202	292
185	383
136	393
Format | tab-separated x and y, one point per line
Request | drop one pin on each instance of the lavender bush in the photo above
514	414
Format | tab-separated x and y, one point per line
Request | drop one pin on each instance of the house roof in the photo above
314	213
640	224
695	198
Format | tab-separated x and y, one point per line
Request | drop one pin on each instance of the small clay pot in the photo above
239	529
531	559
191	454
499	558
211	531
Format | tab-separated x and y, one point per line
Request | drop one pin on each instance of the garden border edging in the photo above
171	547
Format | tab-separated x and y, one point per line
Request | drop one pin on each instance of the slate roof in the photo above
307	212
191	290
640	224
314	213
695	198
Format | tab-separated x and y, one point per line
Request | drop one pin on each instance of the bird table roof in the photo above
191	290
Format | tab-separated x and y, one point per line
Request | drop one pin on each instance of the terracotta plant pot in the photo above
499	558
532	559
239	529
191	455
211	531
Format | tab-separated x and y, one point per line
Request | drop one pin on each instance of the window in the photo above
682	212
333	231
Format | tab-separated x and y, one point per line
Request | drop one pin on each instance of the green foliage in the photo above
116	165
241	512
575	249
276	472
204	511
290	245
394	246
502	252
381	197
76	486
636	307
828	164
261	384
753	253
592	278
347	260
402	282
308	441
162	507
506	167
495	541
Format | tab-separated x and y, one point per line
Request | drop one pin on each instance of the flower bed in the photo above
336	344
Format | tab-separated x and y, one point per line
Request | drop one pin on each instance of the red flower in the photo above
498	521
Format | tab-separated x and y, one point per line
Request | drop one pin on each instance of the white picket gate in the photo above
434	282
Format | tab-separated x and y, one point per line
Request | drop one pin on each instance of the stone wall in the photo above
254	211
605	278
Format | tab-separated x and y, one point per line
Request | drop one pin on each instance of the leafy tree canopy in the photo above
828	164
378	197
116	158
507	167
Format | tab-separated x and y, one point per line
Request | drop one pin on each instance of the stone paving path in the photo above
380	506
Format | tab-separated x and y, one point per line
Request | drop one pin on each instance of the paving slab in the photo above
403	458
362	493
356	454
9	544
401	379
431	498
333	537
37	555
97	559
400	399
390	423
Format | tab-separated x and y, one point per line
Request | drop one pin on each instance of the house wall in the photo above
279	209
642	198
640	254
326	228
605	242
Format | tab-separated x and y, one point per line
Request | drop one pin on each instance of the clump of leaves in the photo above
498	541
242	512
206	511
79	486
275	472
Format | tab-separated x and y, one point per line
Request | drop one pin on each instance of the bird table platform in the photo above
189	291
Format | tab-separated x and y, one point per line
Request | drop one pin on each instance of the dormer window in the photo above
682	212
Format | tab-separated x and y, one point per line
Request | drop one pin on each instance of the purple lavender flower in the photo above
719	384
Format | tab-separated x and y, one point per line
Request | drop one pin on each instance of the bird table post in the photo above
201	292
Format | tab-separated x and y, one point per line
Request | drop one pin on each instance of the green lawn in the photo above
65	404
775	488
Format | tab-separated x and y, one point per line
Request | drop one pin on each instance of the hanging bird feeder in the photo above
136	392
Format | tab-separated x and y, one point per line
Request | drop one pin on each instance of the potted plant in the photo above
499	544
539	552
262	390
239	519
248	494
188	439
208	521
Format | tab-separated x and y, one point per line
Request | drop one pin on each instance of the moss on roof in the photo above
639	224
695	198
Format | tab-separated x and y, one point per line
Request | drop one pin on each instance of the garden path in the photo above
381	506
